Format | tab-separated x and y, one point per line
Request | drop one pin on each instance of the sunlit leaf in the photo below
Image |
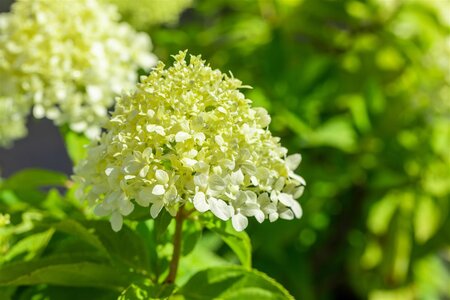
76	146
66	274
239	242
232	282
140	292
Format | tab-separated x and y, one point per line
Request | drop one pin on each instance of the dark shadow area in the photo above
43	147
5	5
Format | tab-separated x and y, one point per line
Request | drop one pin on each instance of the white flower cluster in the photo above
13	110
188	136
68	59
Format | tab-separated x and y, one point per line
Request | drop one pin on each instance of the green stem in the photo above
173	267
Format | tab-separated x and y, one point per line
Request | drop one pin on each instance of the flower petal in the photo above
182	136
162	176
273	216
286	199
216	183
200	203
239	222
126	207
260	216
279	184
145	197
293	161
299	192
237	177
219	208
156	209
297	209
143	172
201	180
287	214
116	221
297	178
100	211
158	190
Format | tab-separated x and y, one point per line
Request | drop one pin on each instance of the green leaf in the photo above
297	125
32	245
55	204
162	222
427	217
34	178
232	282
28	186
50	271
239	242
192	231
77	293
7	292
126	245
139	292
140	214
76	146
146	232
51	292
76	229
381	213
203	256
336	132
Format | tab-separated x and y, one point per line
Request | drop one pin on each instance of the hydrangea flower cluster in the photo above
188	136
68	59
144	13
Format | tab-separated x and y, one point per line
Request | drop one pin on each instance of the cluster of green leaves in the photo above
54	248
361	89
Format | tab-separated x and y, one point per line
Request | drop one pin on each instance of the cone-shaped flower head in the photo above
144	13
68	59
188	136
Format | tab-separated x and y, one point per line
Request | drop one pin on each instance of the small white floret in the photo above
200	203
239	222
158	190
220	208
293	161
162	176
156	209
182	136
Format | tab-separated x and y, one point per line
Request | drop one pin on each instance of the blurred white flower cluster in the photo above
188	136
68	59
144	13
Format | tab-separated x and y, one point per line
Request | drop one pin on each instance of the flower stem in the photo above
173	267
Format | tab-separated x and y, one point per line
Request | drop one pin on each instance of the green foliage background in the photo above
360	88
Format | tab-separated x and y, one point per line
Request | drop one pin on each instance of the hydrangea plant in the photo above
186	136
67	59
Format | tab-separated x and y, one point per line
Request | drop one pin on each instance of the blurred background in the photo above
362	90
